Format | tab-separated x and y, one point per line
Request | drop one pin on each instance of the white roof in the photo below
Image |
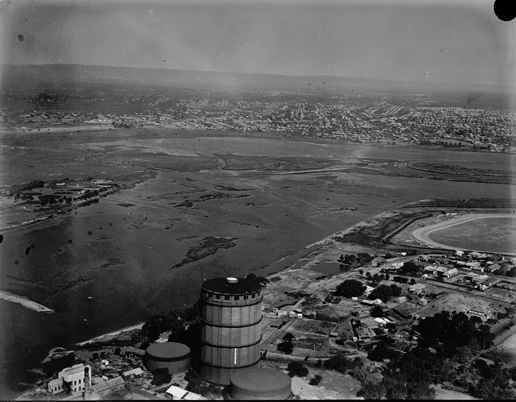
380	320
176	392
135	371
181	393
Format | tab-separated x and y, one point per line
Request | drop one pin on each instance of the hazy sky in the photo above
418	41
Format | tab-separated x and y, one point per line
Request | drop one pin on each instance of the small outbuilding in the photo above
170	355
259	383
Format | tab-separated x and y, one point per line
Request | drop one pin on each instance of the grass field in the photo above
485	233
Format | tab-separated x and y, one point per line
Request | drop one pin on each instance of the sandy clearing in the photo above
448	394
23	301
304	390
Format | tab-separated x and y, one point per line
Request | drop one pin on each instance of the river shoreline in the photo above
106	337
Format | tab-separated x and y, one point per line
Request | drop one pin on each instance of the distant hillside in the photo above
29	76
78	81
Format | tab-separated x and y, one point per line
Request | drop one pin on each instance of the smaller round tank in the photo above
173	356
259	383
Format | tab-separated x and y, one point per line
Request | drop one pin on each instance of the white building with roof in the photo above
74	379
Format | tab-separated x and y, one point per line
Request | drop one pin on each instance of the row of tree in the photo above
446	351
355	288
447	344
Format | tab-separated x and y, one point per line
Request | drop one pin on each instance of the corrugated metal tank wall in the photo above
231	333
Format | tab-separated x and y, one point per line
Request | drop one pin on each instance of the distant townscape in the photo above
353	115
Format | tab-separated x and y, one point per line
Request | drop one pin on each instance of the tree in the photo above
492	389
381	352
410	268
447	332
341	363
400	279
390	327
297	369
192	338
350	288
153	328
262	280
483	369
286	347
385	292
372	391
376	311
463	354
396	290
288	337
409	376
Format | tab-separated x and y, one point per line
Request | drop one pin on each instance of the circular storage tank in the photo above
231	332
175	357
260	383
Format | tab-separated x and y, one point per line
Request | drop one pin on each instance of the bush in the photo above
512	372
400	279
380	352
376	311
410	268
57	364
350	261
350	288
396	290
297	369
492	389
341	363
286	347
161	376
315	380
194	382
483	369
152	328
385	292
372	391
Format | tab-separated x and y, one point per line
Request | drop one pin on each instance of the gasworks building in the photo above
231	332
